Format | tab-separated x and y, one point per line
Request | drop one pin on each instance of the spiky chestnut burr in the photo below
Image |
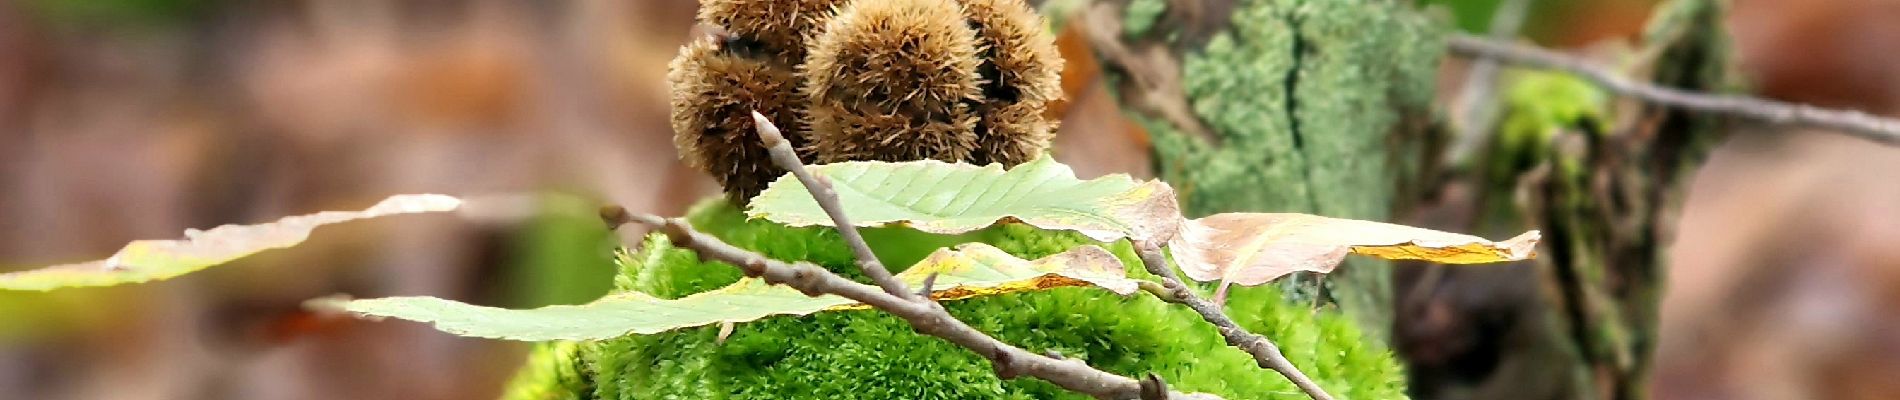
780	28
716	85
893	80
1021	72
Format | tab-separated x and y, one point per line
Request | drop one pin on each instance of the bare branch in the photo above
1153	388
924	315
1854	123
929	317
827	198
1264	351
1477	106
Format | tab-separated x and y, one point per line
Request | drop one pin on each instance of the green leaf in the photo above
973	269
149	260
939	197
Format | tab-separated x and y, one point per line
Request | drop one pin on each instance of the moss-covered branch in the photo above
1849	122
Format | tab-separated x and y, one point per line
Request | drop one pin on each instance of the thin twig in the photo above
821	190
1854	123
1477	105
1264	351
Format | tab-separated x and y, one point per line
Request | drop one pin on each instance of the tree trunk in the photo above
1602	182
1312	106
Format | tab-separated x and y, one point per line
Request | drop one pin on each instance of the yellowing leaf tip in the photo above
149	260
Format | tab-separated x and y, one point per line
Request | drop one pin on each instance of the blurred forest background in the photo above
132	119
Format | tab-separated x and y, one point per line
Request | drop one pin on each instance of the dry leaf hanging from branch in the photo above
1255	248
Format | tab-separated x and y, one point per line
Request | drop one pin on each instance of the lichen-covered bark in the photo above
1290	105
1609	222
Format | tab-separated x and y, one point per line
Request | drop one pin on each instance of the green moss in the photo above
561	258
870	355
1540	105
555	371
118	14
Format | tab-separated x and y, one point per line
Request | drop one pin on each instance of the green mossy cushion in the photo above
870	355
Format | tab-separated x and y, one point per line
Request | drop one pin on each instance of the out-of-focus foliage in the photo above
136	119
554	371
115	13
1543	103
34	315
1469	15
564	257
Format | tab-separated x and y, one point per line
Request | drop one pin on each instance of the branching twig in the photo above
1264	351
923	314
1855	123
820	188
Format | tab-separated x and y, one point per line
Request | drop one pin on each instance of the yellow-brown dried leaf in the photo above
1256	248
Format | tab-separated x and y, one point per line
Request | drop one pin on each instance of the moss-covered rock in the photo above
870	355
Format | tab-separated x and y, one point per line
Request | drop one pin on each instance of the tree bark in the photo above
1314	106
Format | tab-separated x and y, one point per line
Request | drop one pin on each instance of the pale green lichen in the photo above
1301	96
870	355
